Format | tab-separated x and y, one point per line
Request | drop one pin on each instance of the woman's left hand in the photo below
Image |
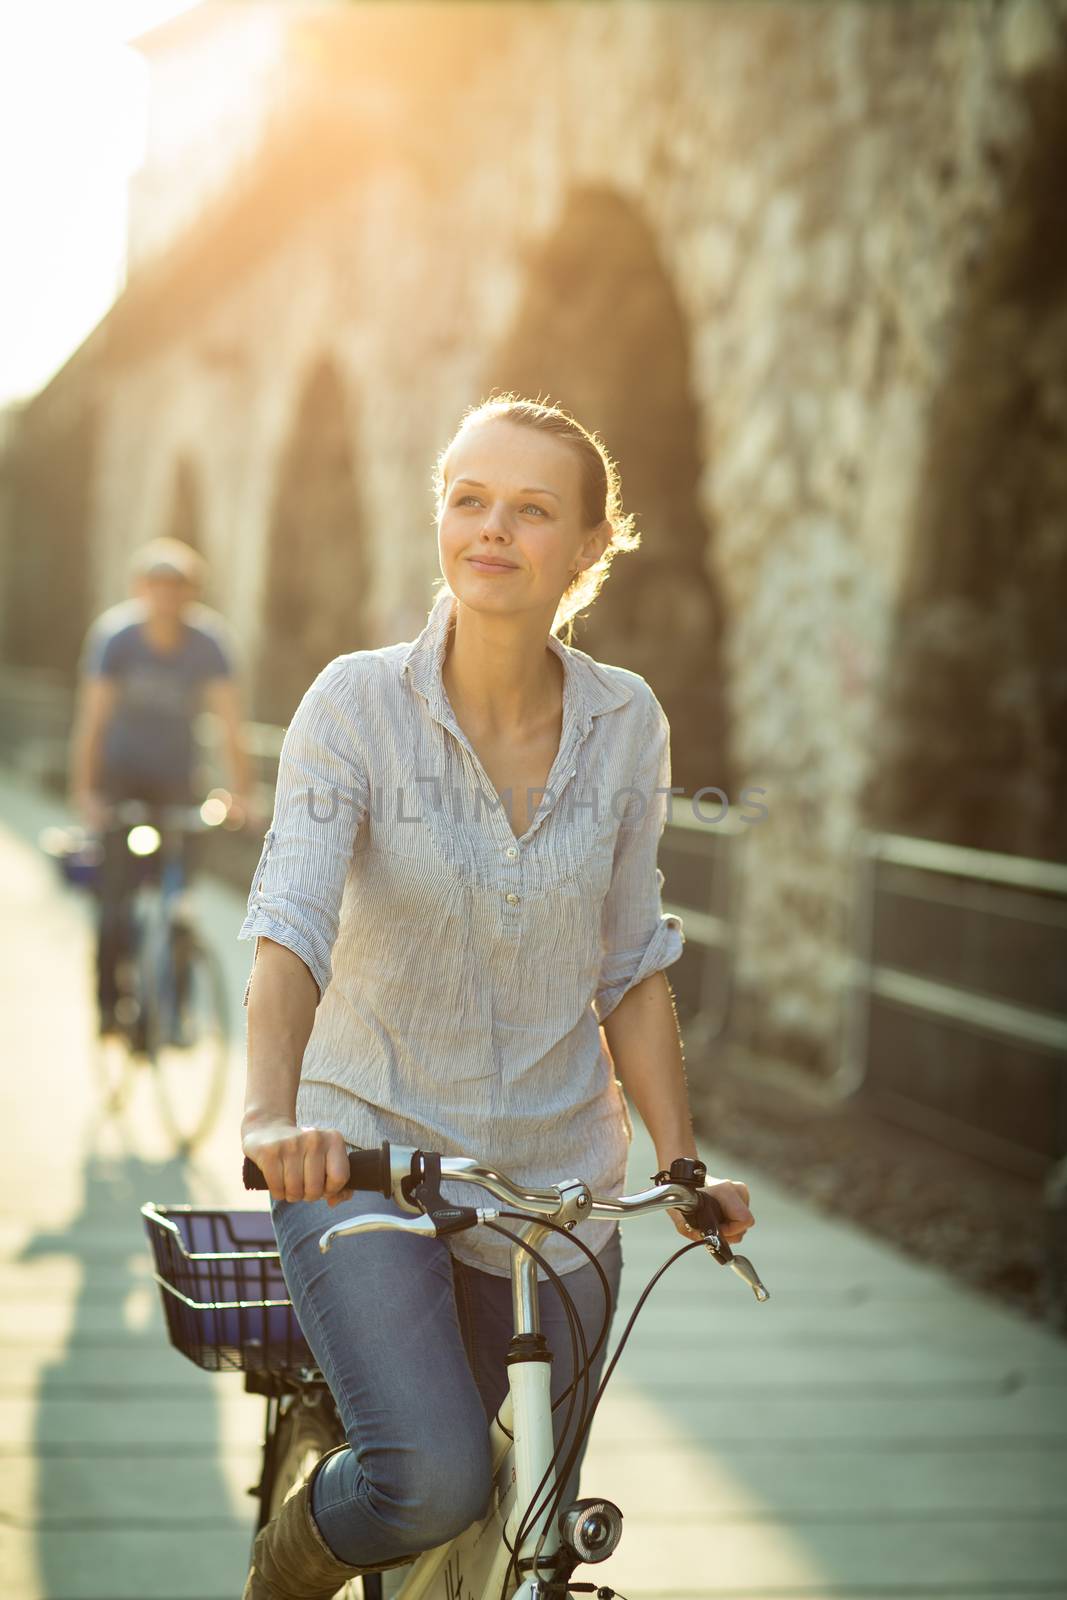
733	1198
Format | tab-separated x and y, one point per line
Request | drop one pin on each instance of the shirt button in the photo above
512	899
511	852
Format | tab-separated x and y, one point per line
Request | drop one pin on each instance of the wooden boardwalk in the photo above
873	1433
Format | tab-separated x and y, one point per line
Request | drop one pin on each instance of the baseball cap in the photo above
168	558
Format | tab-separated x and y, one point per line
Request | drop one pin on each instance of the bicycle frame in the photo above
169	990
152	906
473	1565
226	1311
157	973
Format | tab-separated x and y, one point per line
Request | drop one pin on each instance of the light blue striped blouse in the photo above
463	972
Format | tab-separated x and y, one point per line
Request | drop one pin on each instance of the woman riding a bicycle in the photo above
459	945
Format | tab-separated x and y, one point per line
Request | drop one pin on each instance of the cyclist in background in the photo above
149	665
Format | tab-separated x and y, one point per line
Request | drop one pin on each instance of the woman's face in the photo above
510	534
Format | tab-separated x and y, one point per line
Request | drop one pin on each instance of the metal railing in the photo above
36	708
37	713
956	1020
699	861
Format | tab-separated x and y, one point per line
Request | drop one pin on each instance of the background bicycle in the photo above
171	1014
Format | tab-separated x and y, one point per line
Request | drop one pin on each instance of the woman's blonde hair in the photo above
600	487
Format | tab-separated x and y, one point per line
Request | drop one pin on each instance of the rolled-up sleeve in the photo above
320	801
637	937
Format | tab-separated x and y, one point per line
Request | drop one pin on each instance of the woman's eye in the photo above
465	499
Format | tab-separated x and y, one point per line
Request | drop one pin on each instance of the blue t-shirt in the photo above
149	739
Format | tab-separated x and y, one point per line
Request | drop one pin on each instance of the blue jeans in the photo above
412	1345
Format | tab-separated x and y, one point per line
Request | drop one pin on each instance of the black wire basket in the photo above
224	1296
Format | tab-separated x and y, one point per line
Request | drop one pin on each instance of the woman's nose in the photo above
496	522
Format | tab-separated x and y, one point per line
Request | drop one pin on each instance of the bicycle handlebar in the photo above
389	1171
412	1178
176	818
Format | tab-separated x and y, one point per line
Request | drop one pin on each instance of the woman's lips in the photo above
491	566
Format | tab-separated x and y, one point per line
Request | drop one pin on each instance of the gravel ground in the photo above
988	1229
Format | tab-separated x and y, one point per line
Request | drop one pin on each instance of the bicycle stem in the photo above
524	1278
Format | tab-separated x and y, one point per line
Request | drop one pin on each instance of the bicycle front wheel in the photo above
189	1038
302	1436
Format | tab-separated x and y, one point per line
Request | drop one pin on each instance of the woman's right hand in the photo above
299	1163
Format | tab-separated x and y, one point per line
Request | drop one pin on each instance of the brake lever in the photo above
374	1222
709	1218
423	1189
748	1274
739	1264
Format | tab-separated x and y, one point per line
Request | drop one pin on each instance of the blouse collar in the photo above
588	690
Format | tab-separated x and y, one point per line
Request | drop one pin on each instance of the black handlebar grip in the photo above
370	1170
709	1215
253	1178
367	1169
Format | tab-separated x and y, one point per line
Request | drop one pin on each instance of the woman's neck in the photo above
499	673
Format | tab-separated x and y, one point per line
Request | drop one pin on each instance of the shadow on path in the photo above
115	1453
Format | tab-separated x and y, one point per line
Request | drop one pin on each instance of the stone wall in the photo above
744	241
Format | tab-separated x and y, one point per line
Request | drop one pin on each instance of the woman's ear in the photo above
593	546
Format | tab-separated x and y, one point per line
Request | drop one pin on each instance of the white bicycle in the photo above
227	1309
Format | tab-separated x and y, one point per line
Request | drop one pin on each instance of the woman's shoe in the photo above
290	1558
